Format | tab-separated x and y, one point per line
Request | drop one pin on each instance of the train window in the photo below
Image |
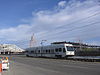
60	49
70	48
38	51
29	51
49	50
46	51
64	50
35	51
32	51
52	51
43	51
56	50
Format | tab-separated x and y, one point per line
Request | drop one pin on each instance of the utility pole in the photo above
42	45
80	44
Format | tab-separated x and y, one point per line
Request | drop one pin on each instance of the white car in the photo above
5	63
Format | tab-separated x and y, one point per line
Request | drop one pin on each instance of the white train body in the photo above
53	50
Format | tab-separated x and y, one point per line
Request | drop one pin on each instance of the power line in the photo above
76	28
80	35
80	27
79	20
75	36
86	18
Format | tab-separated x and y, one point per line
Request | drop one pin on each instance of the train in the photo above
51	51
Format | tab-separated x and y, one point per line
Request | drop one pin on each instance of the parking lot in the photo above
21	65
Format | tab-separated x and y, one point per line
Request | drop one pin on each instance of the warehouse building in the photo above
10	49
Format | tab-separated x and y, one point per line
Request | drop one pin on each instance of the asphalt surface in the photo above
21	65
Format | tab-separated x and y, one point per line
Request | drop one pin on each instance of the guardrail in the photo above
85	58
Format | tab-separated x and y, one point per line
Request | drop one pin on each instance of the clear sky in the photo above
51	20
12	11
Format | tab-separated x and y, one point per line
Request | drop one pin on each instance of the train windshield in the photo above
70	48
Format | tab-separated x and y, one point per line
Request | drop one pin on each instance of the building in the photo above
9	49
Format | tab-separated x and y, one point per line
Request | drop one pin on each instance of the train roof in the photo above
52	45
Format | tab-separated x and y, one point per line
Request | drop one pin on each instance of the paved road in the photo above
21	65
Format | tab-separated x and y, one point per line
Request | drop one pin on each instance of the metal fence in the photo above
87	53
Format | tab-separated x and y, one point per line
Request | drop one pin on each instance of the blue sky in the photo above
12	11
51	20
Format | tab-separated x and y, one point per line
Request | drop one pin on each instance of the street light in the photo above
42	45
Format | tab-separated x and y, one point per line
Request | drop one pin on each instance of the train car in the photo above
53	51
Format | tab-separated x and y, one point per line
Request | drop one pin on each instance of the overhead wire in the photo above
80	27
80	20
98	13
77	28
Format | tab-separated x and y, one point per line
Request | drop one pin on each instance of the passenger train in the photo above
52	51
